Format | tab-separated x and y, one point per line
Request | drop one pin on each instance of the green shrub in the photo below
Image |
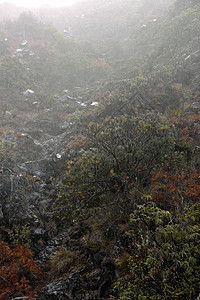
119	154
166	255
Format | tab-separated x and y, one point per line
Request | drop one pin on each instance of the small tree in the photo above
116	155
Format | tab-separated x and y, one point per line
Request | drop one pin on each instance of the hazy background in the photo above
39	3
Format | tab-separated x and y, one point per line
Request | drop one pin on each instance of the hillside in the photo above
99	151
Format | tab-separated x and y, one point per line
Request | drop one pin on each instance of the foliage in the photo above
175	184
177	190
164	263
20	236
125	151
13	73
115	156
18	271
29	65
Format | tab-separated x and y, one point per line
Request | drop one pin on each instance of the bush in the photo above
18	271
166	255
117	155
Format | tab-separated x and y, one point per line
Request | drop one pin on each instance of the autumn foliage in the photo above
18	271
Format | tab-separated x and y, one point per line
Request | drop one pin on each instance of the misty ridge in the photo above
99	150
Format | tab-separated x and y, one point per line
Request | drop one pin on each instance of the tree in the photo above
114	157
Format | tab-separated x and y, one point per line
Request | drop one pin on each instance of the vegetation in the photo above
133	154
164	262
19	272
115	156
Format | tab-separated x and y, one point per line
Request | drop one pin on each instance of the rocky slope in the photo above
87	257
83	258
32	169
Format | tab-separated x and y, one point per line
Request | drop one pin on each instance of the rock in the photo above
76	232
74	281
39	231
195	107
23	298
46	126
24	42
104	288
108	268
97	259
53	290
64	287
39	234
1	214
94	103
52	245
28	91
94	280
26	149
111	231
44	168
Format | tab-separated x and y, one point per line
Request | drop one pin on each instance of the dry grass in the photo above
122	262
62	260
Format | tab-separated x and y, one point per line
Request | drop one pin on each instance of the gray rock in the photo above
1	214
55	288
23	298
195	107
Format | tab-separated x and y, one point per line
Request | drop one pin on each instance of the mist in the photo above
99	149
42	3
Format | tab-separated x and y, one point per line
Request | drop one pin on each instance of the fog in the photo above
99	149
40	3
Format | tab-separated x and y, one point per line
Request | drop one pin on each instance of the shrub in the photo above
18	271
118	154
166	255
